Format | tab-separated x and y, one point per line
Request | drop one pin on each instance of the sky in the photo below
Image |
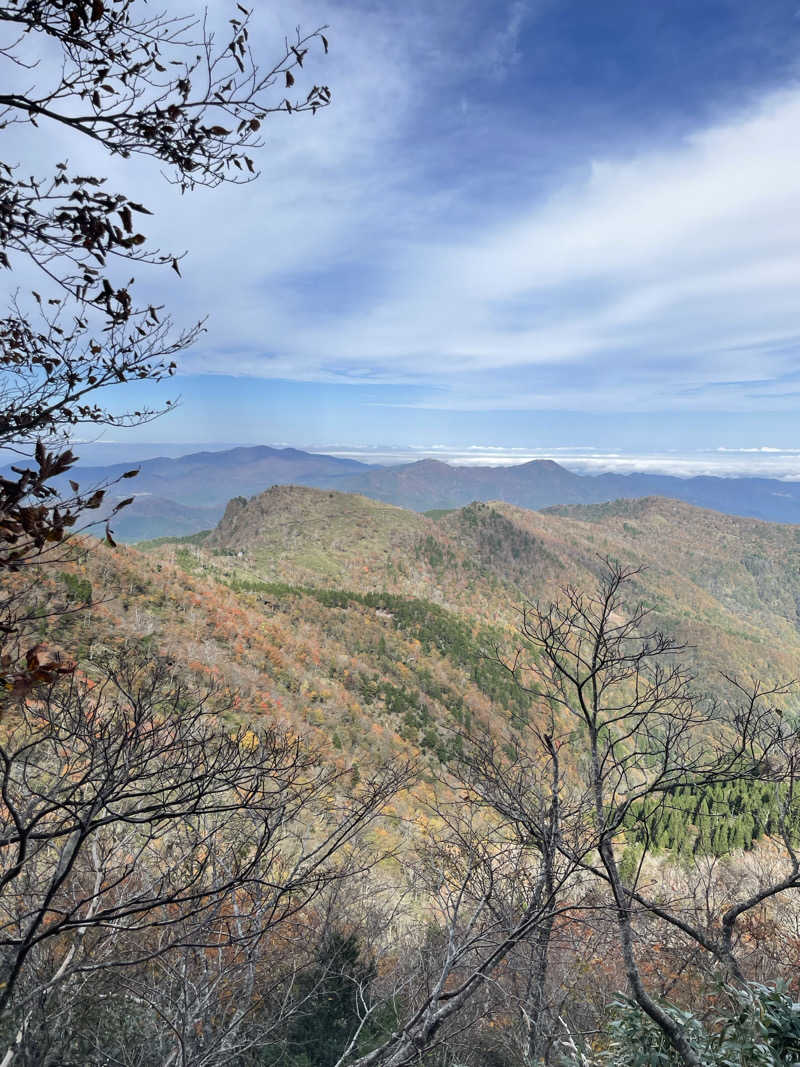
534	224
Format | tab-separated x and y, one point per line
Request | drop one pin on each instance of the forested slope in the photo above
379	630
377	636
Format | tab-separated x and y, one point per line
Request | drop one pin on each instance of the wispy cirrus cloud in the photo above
585	240
661	275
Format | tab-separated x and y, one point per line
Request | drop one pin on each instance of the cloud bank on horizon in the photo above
528	205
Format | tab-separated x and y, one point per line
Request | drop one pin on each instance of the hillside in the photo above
729	587
322	537
175	496
375	629
372	632
430	484
204	479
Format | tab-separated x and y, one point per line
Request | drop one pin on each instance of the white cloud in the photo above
504	49
776	463
651	279
681	266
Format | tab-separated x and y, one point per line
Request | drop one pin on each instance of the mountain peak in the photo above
543	465
429	464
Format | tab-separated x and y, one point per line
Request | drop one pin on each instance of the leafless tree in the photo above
487	882
628	714
136	827
518	778
713	914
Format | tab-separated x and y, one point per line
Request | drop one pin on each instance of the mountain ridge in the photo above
728	587
206	481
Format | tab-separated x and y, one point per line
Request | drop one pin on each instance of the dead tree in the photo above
517	777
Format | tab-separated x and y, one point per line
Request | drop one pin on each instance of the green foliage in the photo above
187	539
633	1039
78	589
764	1025
629	863
186	561
436	629
502	540
759	1026
330	995
728	817
438	556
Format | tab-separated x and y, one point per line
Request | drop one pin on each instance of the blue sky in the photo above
532	223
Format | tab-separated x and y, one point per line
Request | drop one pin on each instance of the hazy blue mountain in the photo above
429	484
180	496
176	496
210	479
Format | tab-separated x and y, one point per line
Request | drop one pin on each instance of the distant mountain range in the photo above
430	484
181	496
